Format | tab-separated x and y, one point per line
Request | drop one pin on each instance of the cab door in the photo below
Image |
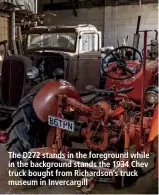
88	61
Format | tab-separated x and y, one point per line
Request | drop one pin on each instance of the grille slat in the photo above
13	79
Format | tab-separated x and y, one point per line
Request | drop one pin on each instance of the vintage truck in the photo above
74	49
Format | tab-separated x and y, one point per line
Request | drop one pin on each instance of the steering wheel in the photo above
119	64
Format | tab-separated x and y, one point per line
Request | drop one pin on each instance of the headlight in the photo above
151	95
32	73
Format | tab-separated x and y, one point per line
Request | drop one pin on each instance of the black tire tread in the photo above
25	126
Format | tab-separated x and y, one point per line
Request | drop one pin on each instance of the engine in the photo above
44	66
103	125
98	126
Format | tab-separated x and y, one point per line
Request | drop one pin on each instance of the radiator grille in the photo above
13	75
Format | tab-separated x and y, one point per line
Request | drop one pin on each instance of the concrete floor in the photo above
144	185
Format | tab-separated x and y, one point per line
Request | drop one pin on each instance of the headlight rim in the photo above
151	93
35	71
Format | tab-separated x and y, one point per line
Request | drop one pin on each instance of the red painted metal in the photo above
143	83
96	117
3	136
154	126
76	104
135	95
45	102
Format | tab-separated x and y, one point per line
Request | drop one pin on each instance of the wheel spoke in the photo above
128	70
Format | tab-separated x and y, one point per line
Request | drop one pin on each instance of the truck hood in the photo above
50	51
63	52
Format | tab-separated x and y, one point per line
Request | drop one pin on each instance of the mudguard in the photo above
45	102
154	127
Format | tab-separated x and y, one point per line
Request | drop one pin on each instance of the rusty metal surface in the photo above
72	69
84	70
80	70
88	71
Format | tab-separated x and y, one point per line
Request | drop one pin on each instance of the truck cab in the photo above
75	49
74	39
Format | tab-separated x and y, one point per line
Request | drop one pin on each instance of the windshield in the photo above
58	41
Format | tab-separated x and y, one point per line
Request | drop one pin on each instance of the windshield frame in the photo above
52	47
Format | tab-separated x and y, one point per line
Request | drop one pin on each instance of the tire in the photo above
36	88
24	132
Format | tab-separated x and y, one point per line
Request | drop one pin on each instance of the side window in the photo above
88	42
